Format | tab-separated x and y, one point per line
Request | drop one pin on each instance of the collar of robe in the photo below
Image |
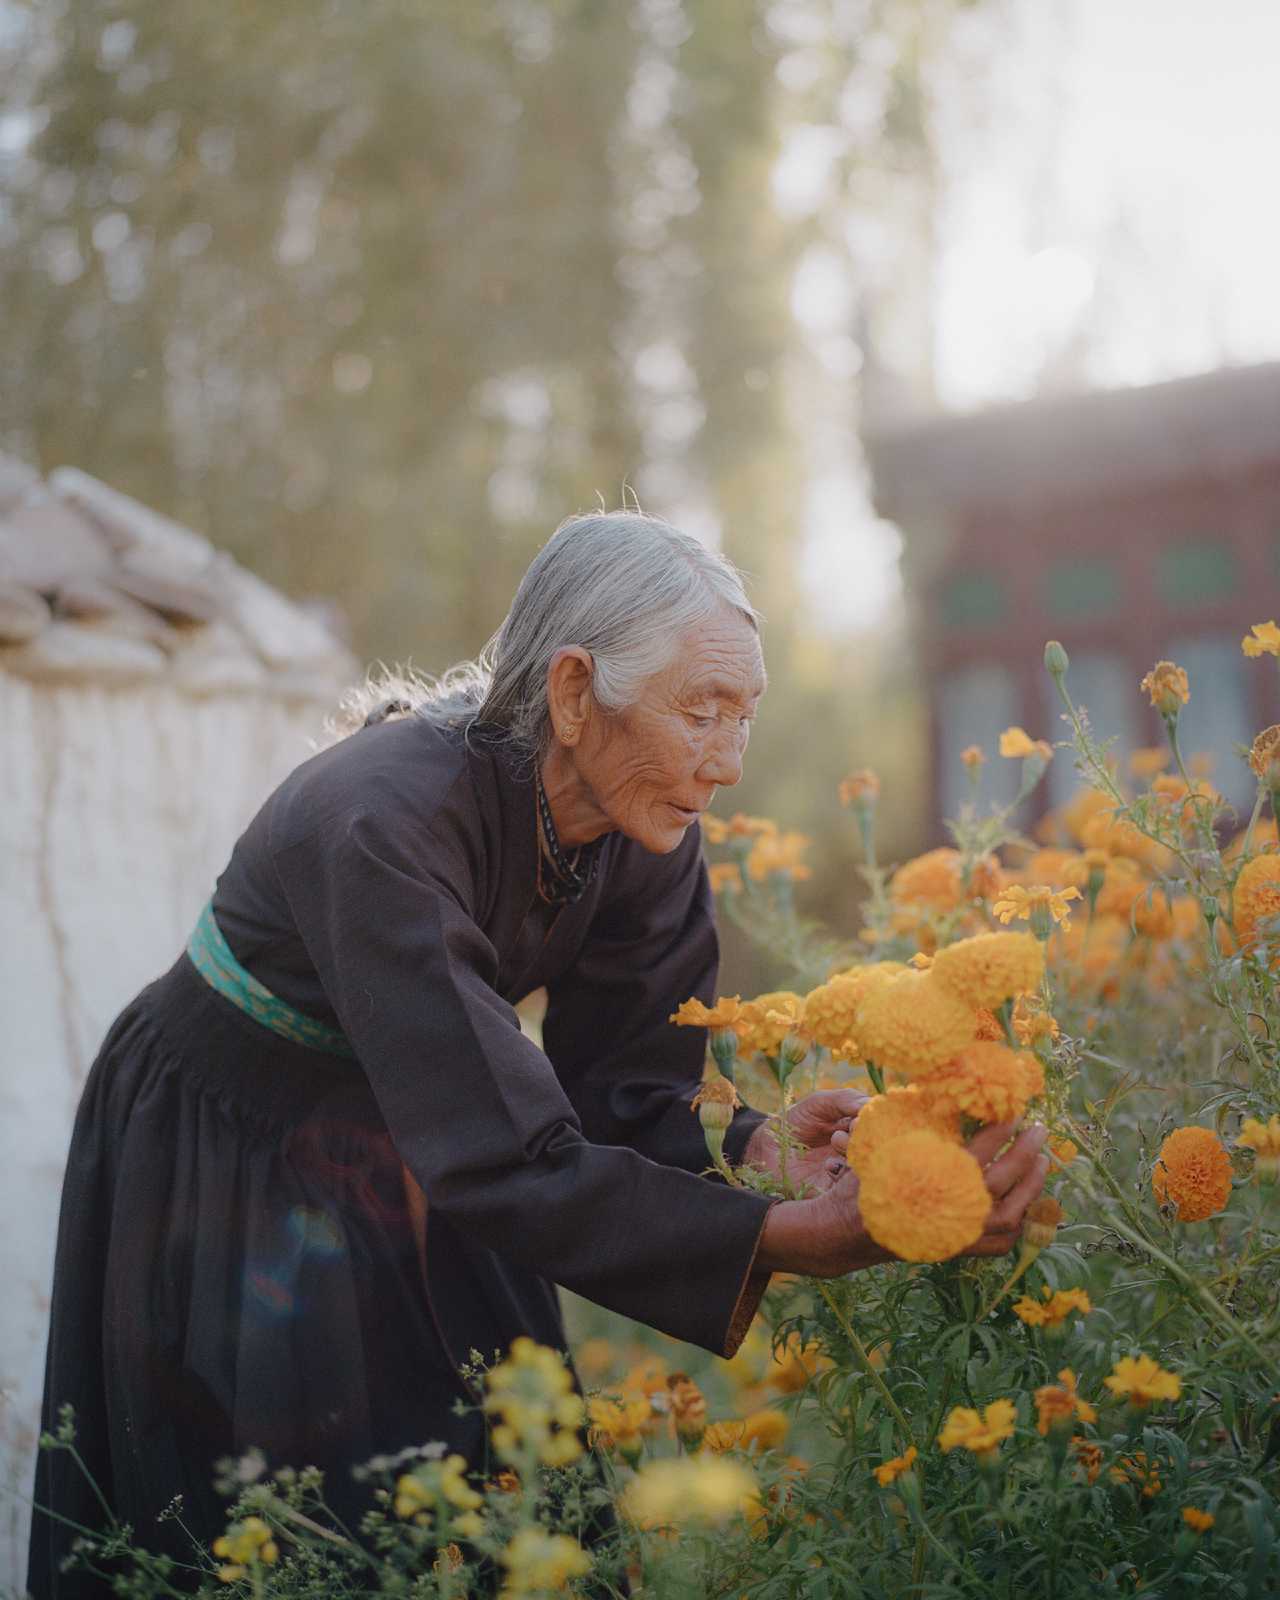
562	879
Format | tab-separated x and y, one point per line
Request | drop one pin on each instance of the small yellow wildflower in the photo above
531	1394
1038	903
245	1545
981	1433
1017	745
701	1489
1140	1380
1198	1521
539	1563
1054	1309
1262	639
1058	1404
890	1471
1168	688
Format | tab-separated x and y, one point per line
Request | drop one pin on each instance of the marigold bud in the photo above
1056	660
715	1102
688	1410
1167	685
1040	1224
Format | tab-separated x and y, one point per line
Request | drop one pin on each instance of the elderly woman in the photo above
318	1163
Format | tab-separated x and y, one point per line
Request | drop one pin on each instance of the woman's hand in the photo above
816	1124
825	1236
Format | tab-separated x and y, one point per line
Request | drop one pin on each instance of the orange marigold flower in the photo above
722	1436
1039	902
902	1109
982	1432
1017	745
913	1024
1056	1306
1081	809
778	853
688	1407
1263	1138
740	826
763	1430
1256	895
1146	762
1031	1023
725	876
1063	1150
933	880
985	1080
830	1009
1141	1473
1052	865
973	756
1198	1521
1058	1404
1141	1379
990	968
1263	639
890	1471
1088	1457
1192	1173
861	785
694	1014
1168	688
924	1198
765	1021
1264	755
1044	1216
988	1025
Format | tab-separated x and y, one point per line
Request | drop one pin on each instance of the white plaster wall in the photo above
118	808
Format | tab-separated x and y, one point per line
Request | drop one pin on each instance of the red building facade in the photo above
1133	525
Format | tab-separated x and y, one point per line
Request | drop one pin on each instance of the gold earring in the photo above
570	735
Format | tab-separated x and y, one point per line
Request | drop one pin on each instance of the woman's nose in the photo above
723	765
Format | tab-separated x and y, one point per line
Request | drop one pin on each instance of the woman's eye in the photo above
704	722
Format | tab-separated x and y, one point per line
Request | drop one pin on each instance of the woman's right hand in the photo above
825	1237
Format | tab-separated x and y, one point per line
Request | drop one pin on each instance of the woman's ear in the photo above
569	692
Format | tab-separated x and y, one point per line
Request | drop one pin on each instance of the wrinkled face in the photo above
654	768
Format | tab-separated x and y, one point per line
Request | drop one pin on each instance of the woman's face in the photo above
650	771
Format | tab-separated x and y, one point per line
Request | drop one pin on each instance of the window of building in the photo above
1216	718
1108	690
1198	571
975	706
1085	588
978	599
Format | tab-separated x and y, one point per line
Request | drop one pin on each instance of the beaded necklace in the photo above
562	880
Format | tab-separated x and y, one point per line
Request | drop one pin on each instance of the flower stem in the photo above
859	1349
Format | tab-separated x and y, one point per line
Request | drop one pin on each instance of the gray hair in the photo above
623	586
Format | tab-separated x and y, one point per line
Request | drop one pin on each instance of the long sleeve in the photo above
630	1073
476	1110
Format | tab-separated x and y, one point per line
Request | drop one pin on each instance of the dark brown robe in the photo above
241	1260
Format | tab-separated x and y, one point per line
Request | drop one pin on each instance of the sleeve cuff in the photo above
754	1283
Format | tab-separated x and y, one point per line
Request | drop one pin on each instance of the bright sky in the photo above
1109	217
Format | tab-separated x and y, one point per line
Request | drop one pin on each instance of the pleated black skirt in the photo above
237	1266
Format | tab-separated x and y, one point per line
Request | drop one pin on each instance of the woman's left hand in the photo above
812	1123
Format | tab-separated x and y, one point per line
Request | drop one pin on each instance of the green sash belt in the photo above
212	958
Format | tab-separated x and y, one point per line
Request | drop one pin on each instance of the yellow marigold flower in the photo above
924	1198
902	1109
726	1013
861	785
1168	688
973	756
1140	1380
967	1429
595	1357
1146	762
765	1021
1037	903
765	1429
1140	1473
725	876
986	1081
890	1471
830	1009
990	968
1263	1138
1198	1521
1256	895
1051	864
1063	1150
539	1562
1264	756
618	1424
1081	809
1056	1306
778	853
1192	1173
722	1436
913	1024
688	1409
933	880
701	1489
1031	1023
1058	1404
1263	639
1017	745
